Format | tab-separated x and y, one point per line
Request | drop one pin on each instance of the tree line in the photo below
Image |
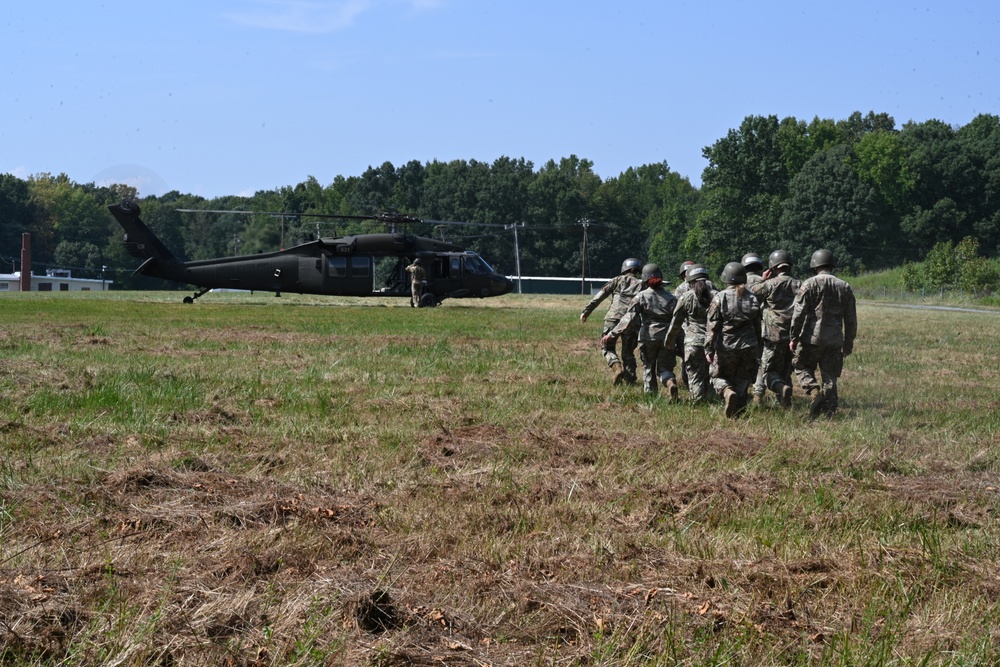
878	196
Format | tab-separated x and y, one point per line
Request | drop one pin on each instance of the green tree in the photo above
830	207
74	222
980	141
744	186
882	163
855	127
18	215
559	203
945	184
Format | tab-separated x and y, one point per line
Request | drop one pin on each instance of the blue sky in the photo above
224	97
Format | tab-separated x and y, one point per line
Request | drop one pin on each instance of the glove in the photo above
848	349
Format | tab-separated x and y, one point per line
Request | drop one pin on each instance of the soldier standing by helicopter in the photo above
621	289
418	275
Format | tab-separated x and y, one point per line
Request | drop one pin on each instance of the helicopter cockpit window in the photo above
475	264
361	267
337	267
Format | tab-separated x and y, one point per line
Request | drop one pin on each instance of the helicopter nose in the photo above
501	284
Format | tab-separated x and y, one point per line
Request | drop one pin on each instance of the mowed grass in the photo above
307	481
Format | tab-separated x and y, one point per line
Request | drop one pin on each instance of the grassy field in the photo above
307	481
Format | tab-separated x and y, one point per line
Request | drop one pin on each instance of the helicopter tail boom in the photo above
143	244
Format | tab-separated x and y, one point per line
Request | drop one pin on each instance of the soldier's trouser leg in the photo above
804	362
697	372
737	370
665	360
647	354
831	364
760	386
608	351
680	354
630	341
776	364
657	365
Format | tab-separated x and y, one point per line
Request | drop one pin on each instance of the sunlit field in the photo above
252	480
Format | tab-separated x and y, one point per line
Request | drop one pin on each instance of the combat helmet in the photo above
779	257
734	274
685	265
822	258
696	272
651	271
631	264
752	259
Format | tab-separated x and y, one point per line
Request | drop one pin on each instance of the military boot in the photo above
816	407
671	387
733	403
785	396
615	369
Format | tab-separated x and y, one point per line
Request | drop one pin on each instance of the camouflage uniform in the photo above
824	325
650	313
622	289
679	344
417	277
689	319
731	338
685	287
777	295
759	387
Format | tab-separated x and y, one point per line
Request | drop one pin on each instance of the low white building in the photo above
54	280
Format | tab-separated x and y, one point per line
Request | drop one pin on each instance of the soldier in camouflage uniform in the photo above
824	325
682	275
418	275
688	325
755	267
776	292
731	339
651	312
685	285
680	291
622	290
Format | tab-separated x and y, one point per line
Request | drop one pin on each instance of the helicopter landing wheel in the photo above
428	300
190	299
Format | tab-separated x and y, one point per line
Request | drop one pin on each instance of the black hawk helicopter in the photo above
338	266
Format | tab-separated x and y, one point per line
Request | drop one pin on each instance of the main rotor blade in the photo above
283	214
387	217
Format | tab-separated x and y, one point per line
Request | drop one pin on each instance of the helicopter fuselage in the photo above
359	265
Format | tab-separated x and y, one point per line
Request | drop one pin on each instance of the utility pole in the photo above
583	257
517	253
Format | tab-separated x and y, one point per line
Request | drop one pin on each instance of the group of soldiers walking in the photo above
751	334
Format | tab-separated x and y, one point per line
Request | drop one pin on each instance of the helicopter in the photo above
336	266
